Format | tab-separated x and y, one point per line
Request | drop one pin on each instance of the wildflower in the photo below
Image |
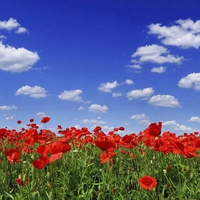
45	120
19	121
39	164
31	120
21	182
153	129
147	182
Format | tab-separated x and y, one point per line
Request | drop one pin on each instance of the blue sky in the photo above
108	63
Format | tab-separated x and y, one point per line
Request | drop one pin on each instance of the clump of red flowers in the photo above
21	182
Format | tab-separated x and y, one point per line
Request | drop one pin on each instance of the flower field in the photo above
82	165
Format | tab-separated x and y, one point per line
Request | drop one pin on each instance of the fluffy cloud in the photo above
71	95
7	107
138	117
185	34
191	80
116	94
128	81
108	87
177	127
135	66
156	54
160	69
93	121
16	60
81	108
12	24
98	108
164	100
35	91
41	114
194	119
141	118
135	94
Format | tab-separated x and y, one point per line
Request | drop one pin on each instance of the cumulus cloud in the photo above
128	81
135	66
164	100
177	127
41	114
108	87
160	69
35	91
93	121
184	34
191	80
81	108
141	119
16	59
12	24
138	117
71	95
9	117
116	94
7	108
155	54
194	119
143	93
98	108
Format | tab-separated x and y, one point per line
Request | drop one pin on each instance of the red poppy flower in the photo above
45	120
105	144
20	182
121	128
19	121
105	157
147	182
31	120
154	129
14	157
55	157
39	164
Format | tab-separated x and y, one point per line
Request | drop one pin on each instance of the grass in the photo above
88	172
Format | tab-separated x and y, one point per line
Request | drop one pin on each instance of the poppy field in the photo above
82	165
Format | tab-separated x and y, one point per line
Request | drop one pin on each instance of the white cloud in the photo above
9	24
71	95
129	82
41	114
156	54
35	91
7	107
135	66
2	37
98	108
135	94
21	30
177	127
194	119
138	117
81	108
160	69
191	80
93	121
108	87
9	117
164	100
12	24
116	94
185	34
16	60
